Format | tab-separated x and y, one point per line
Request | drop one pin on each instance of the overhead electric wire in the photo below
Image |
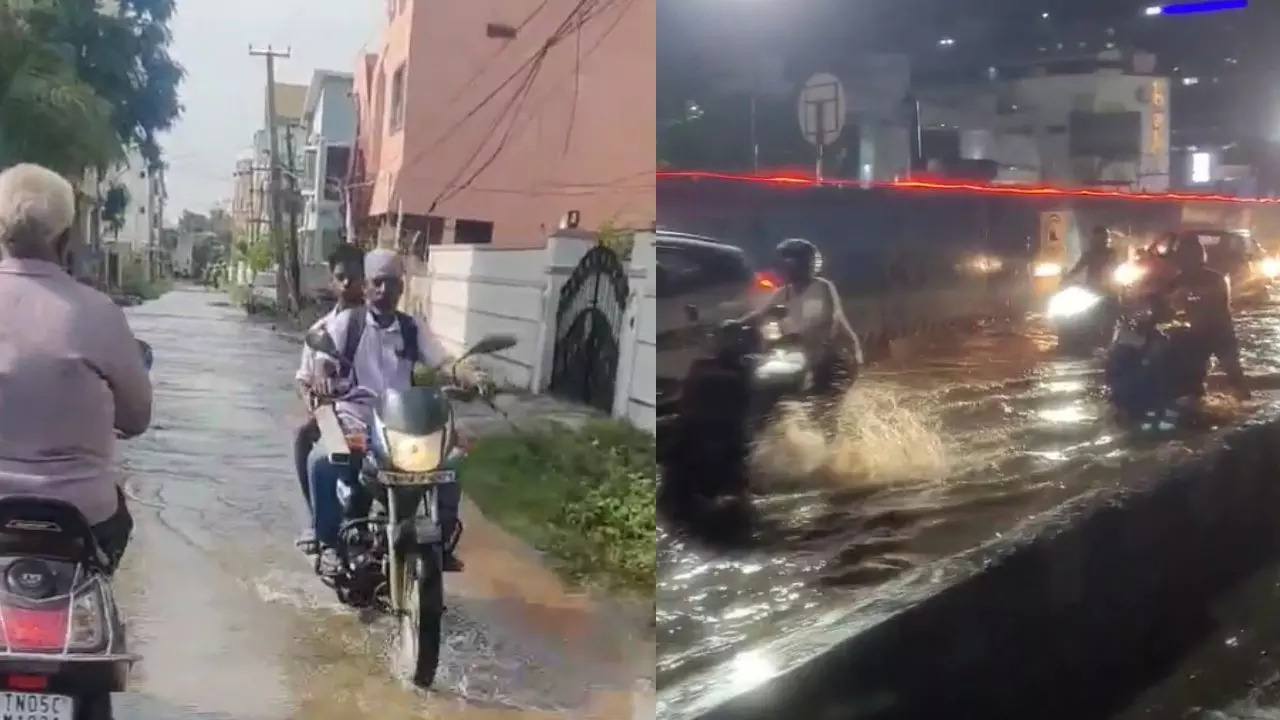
583	12
511	112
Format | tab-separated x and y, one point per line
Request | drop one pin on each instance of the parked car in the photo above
701	283
1234	254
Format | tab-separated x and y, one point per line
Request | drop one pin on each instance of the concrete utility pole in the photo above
292	251
273	145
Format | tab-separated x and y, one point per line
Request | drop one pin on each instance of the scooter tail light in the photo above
75	626
767	281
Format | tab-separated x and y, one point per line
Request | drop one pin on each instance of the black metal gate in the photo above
589	317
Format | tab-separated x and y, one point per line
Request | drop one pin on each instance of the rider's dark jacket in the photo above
1097	265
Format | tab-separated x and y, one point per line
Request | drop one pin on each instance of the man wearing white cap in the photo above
383	345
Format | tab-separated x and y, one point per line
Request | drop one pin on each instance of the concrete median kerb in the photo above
1062	617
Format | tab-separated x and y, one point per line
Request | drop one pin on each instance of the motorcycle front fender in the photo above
417	532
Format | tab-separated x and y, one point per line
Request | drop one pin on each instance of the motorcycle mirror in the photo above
491	344
777	312
319	340
148	357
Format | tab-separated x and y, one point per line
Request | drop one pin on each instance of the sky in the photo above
223	90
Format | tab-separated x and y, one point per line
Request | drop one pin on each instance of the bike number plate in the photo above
36	706
396	478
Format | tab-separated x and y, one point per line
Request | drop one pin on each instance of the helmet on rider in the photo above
1100	238
1188	252
797	260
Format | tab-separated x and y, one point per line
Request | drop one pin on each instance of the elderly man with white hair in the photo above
381	345
71	374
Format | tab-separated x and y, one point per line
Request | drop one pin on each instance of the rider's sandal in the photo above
308	546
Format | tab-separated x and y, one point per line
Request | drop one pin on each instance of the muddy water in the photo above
935	456
229	619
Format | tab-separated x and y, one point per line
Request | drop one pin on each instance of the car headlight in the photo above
1270	267
1072	301
1129	273
1047	269
771	331
415	453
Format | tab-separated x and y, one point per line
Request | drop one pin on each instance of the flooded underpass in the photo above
229	619
964	448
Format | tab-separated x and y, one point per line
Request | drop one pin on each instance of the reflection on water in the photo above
933	456
228	617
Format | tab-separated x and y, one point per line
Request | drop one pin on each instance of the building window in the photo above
472	232
397	99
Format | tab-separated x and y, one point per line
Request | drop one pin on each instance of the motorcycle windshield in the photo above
417	411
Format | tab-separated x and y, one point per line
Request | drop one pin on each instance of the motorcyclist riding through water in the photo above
1205	297
1098	263
71	376
815	315
381	346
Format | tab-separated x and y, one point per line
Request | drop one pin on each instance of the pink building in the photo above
488	121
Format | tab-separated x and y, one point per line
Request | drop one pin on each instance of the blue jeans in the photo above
326	509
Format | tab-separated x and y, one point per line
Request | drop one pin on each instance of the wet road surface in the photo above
229	619
936	456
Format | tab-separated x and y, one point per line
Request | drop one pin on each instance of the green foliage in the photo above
114	204
124	57
134	281
258	253
618	240
78	85
585	497
48	113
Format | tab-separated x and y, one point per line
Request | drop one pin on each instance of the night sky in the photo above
1232	54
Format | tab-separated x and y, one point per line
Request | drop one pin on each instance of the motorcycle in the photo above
1082	318
728	397
63	648
391	545
1152	366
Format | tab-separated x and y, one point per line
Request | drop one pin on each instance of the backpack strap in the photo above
355	332
409	334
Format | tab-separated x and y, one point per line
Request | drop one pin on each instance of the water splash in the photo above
870	438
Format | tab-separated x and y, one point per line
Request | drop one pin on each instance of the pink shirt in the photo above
70	374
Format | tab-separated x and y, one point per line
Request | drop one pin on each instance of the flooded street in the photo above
227	615
935	457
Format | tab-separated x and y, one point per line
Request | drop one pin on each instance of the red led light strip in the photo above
969	187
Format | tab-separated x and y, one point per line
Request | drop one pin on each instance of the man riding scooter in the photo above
814	314
1204	295
1097	263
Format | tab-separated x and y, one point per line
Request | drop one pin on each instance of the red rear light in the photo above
30	683
766	280
26	629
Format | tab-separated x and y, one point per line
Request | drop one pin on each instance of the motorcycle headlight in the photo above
415	453
1047	269
1072	301
771	331
782	362
1270	267
1128	274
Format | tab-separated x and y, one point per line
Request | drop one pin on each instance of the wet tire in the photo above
421	624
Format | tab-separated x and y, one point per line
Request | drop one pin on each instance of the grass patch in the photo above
584	497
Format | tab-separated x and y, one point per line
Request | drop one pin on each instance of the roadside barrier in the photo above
1064	617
